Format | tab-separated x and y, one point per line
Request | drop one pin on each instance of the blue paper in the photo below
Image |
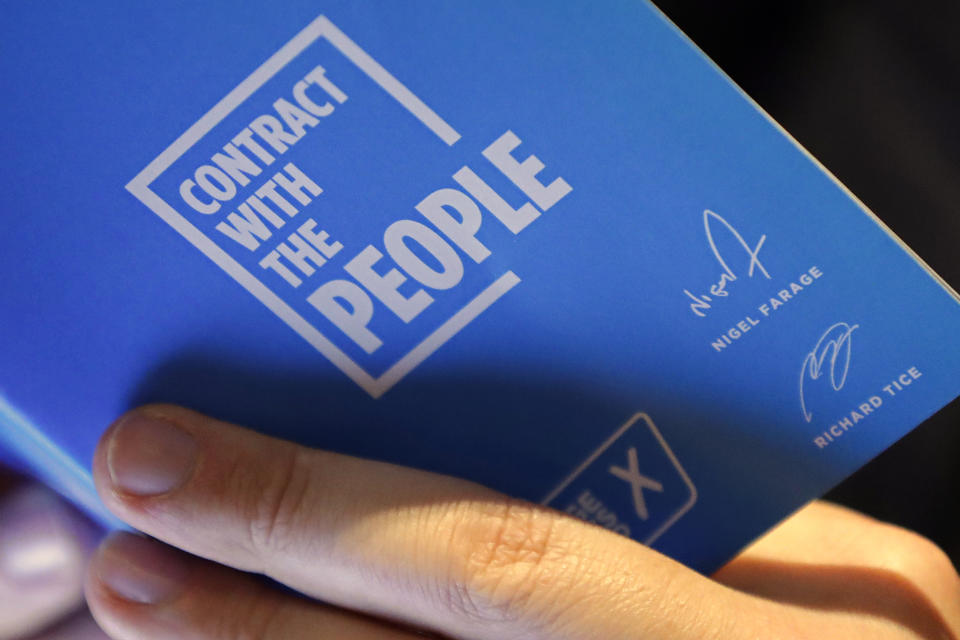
549	247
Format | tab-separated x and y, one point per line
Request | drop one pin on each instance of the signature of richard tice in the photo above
830	355
702	302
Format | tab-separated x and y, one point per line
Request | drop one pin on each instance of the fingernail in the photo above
38	543
139	569
149	455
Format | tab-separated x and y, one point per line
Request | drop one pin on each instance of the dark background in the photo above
871	89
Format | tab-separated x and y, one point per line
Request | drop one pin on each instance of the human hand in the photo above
44	546
390	549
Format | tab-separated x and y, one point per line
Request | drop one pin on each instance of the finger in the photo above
814	557
431	550
43	549
138	588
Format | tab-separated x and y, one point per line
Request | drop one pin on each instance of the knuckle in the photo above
508	559
275	500
917	558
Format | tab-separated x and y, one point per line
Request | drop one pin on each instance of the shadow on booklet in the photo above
531	434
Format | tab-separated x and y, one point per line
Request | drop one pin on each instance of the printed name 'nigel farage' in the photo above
766	309
702	303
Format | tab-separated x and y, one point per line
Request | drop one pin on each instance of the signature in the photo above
702	302
832	354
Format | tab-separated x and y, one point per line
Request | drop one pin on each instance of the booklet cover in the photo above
549	247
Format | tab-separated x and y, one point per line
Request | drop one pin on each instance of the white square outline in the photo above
666	448
320	27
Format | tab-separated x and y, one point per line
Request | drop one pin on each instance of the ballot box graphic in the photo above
632	484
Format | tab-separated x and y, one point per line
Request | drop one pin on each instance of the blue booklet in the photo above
549	247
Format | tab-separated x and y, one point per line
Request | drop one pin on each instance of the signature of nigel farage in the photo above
701	302
831	355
